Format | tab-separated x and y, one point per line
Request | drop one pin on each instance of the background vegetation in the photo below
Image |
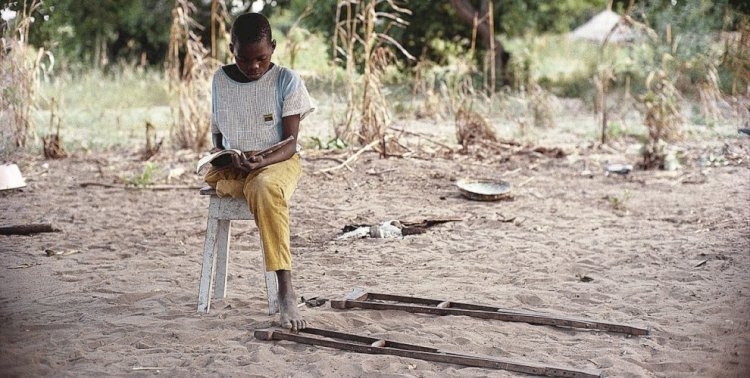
97	73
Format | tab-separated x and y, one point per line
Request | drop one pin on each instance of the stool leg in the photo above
209	246
272	287
222	258
272	290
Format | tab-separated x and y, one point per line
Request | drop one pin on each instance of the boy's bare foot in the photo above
290	316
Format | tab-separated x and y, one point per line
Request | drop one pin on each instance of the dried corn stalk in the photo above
355	28
472	128
190	69
662	118
20	69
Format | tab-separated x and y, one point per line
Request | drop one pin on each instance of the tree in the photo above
483	20
102	31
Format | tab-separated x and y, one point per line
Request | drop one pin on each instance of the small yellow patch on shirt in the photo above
268	117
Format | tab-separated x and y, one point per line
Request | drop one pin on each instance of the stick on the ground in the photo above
425	137
145	187
27	229
353	157
87	184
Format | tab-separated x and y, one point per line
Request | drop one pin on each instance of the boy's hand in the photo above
247	164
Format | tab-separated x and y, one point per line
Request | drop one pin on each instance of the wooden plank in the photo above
27	229
357	294
364	339
531	318
402	298
435	307
423	353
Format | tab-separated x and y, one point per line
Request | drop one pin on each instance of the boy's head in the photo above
252	45
251	27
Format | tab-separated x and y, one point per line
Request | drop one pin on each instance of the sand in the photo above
665	250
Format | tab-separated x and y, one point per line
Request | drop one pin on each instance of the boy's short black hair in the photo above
251	27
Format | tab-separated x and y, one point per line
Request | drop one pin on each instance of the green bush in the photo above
578	85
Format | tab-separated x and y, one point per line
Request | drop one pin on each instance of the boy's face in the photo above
253	59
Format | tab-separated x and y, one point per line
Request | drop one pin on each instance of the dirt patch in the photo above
668	250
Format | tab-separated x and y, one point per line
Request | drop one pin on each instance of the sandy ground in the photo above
665	250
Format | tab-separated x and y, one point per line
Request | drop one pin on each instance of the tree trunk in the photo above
466	12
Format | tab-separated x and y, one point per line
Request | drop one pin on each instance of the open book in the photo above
230	151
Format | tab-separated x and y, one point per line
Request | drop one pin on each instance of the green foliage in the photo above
557	64
105	110
619	202
145	178
101	31
444	88
691	20
22	68
98	31
734	69
689	32
438	22
334	143
576	85
522	17
122	86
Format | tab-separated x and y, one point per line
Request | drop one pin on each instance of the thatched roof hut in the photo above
598	27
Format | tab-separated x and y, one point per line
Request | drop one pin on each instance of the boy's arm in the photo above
290	127
218	141
221	161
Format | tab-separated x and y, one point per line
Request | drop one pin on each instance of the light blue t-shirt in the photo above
249	115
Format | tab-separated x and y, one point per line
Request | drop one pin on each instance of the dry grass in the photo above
190	69
296	36
490	74
704	70
472	128
541	106
52	143
604	77
662	118
426	97
344	42
737	58
537	101
21	68
152	145
358	25
375	116
439	91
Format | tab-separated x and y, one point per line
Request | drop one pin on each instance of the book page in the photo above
209	158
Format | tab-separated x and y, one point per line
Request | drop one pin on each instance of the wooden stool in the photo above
221	211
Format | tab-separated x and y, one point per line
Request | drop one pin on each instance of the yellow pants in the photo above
267	191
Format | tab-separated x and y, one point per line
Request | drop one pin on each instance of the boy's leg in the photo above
227	181
268	192
290	316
